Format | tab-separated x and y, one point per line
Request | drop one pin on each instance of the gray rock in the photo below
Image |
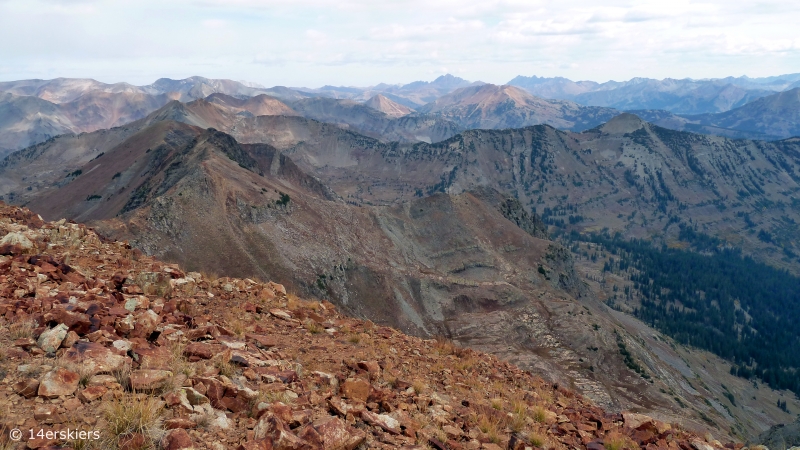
51	339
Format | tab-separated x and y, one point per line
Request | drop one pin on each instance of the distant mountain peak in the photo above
387	106
623	123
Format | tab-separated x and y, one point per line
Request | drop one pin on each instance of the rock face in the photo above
284	373
781	436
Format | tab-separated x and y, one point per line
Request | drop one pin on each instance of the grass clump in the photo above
618	441
539	414
313	327
133	415
21	330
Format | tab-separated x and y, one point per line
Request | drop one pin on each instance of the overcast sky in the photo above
363	42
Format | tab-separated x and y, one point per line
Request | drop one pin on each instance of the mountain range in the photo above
487	215
32	111
435	238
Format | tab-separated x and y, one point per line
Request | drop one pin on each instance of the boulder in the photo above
27	388
199	350
271	428
633	420
177	439
47	413
75	321
92	393
388	423
58	382
95	357
149	380
338	435
356	389
178	422
50	340
17	239
146	323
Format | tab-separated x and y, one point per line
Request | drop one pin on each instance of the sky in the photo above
364	42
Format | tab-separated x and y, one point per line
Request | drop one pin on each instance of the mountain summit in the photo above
392	109
492	106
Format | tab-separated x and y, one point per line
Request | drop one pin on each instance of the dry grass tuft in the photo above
238	321
491	427
539	414
20	330
123	376
133	414
618	441
537	440
226	367
313	327
419	386
178	363
497	403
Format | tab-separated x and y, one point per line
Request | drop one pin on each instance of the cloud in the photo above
317	42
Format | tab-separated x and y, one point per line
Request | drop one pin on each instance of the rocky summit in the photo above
135	353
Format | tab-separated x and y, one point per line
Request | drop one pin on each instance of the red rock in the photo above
177	439
75	321
199	349
384	421
27	387
178	422
148	380
338	435
235	405
70	340
261	444
25	343
271	428
356	389
214	390
95	357
633	420
58	382
92	393
132	441
372	367
47	413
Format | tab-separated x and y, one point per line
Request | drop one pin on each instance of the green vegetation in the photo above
75	173
722	301
284	200
93	197
628	358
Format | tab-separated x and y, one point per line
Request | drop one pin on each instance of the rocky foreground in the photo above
102	347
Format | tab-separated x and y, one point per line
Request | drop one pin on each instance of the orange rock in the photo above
356	389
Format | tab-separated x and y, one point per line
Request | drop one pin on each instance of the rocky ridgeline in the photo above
99	338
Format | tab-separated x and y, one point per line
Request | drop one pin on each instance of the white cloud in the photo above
359	42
